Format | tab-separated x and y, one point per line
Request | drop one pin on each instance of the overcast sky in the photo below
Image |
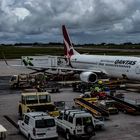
88	21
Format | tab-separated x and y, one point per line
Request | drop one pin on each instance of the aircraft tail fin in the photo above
68	47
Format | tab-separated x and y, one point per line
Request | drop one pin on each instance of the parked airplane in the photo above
91	67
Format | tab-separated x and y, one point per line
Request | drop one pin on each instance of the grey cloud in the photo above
91	21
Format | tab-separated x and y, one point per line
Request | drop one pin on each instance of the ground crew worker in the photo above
97	89
107	90
101	85
38	88
46	77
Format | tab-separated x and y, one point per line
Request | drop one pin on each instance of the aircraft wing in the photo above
63	69
66	69
57	69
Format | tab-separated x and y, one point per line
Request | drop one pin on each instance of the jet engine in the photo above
88	77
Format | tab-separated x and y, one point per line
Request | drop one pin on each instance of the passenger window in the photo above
70	119
44	123
26	119
78	121
23	99
60	117
32	99
13	78
65	117
44	99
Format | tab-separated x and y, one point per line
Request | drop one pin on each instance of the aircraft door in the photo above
53	62
137	70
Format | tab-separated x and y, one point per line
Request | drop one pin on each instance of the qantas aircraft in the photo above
91	67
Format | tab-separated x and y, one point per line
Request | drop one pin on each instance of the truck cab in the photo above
20	80
37	101
13	81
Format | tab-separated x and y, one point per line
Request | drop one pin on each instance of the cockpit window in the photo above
13	78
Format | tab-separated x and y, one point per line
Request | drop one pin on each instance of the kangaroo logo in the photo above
28	61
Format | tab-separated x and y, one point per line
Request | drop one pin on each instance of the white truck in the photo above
75	123
38	125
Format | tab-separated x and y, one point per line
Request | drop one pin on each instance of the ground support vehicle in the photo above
19	81
96	111
52	86
2	133
99	95
125	106
117	95
60	105
37	101
109	105
81	87
115	84
39	81
99	124
76	124
38	125
90	89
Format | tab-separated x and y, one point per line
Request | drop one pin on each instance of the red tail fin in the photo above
68	47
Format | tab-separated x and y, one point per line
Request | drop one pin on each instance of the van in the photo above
38	125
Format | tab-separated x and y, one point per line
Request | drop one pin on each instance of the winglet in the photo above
5	59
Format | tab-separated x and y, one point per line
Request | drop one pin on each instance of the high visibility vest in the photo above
97	89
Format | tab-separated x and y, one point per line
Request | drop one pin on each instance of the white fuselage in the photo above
113	66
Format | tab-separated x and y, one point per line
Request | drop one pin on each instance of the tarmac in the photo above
118	127
7	70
